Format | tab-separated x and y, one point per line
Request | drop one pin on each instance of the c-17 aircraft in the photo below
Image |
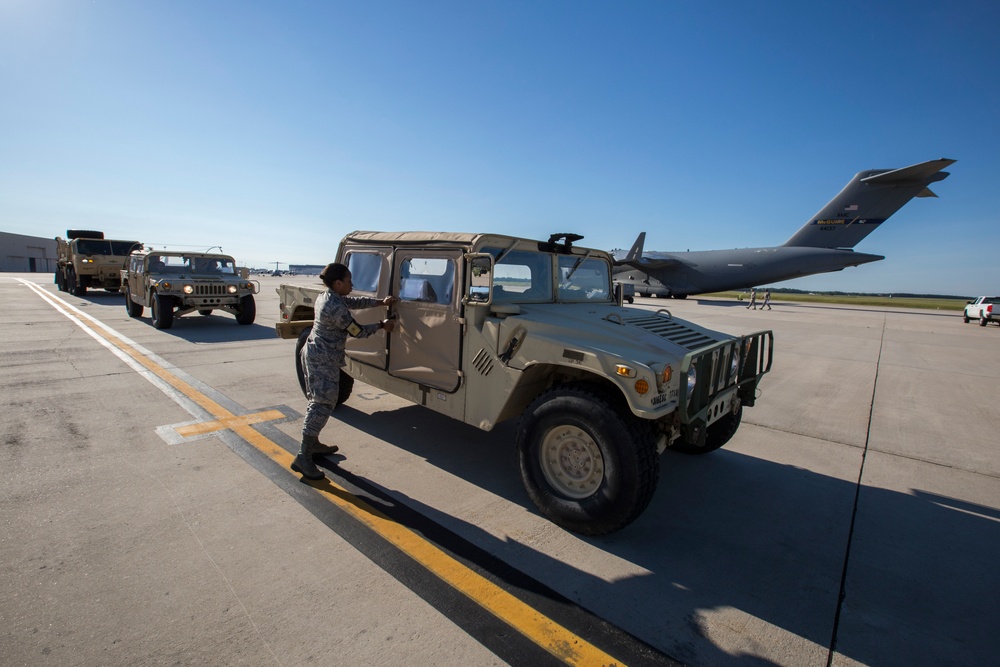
822	245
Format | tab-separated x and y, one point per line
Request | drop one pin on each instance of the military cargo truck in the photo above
492	327
172	284
85	259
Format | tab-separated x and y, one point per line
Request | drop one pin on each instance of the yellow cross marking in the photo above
225	422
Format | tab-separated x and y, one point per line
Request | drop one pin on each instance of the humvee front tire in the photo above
588	465
248	310
163	311
345	385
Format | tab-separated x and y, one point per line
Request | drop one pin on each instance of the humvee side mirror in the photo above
479	288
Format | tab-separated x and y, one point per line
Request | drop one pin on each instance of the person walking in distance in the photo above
323	357
753	298
767	300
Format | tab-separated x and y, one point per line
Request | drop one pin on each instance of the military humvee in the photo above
492	327
85	259
176	283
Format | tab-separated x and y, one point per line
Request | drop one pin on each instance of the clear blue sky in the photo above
273	128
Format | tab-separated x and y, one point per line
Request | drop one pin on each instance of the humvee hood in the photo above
632	333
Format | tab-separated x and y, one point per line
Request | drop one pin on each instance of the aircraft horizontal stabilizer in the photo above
918	173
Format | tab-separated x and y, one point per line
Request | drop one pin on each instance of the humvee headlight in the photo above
188	289
624	371
734	364
692	380
232	289
641	387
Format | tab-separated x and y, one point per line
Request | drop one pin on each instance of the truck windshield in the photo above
102	247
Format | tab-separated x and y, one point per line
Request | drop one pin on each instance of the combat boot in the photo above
319	449
303	463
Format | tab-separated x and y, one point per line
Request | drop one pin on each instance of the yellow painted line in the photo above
224	423
543	631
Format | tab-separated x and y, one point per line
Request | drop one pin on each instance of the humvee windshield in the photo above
525	276
179	264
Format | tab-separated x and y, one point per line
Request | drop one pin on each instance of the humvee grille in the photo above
675	331
209	290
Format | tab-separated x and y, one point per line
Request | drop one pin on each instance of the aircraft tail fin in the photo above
866	202
635	252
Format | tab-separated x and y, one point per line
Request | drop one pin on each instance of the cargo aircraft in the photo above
825	243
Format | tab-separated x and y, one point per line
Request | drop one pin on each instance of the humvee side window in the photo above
521	275
583	279
428	279
365	269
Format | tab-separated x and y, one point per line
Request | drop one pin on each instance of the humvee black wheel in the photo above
717	435
587	464
163	311
131	307
248	310
345	385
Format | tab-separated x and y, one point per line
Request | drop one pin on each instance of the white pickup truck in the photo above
986	309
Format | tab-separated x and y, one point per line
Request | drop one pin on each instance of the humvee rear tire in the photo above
131	307
248	310
163	311
716	436
344	386
589	465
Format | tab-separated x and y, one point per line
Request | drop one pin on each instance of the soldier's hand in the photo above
388	325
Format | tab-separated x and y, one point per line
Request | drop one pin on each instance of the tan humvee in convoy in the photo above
176	283
492	327
86	259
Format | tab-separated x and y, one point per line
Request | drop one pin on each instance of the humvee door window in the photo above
428	279
365	268
523	276
587	280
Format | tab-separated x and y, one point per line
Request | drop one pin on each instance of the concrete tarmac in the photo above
854	519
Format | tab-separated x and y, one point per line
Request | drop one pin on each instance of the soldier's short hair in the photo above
331	273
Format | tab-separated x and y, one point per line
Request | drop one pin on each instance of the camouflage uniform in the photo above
323	354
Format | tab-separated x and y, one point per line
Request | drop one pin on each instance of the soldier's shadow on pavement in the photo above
728	531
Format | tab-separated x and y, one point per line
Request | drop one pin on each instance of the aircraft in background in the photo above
822	245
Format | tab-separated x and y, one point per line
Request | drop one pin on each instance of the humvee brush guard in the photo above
176	283
492	327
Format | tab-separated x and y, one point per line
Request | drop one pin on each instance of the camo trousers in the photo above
322	377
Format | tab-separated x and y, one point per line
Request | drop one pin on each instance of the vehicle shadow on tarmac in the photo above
728	531
218	327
